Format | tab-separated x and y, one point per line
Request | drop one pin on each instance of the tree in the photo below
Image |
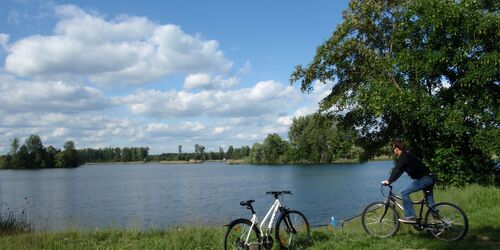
274	149
317	138
117	154
257	155
22	158
36	151
14	146
199	150
221	153
50	157
126	154
68	157
230	152
422	71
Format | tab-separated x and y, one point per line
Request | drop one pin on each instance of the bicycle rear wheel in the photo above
237	233
447	221
380	220
292	230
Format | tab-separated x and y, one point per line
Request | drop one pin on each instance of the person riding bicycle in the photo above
419	172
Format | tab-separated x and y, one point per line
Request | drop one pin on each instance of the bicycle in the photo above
444	220
291	229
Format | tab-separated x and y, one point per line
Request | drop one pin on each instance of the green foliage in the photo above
68	157
257	154
274	147
233	153
125	154
425	72
32	154
313	139
316	138
230	151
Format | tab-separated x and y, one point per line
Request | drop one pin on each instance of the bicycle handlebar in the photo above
275	193
382	189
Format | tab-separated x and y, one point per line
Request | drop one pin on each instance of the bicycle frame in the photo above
393	199
255	221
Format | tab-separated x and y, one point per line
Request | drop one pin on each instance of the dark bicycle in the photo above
444	220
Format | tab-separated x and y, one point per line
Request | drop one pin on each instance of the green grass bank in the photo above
481	204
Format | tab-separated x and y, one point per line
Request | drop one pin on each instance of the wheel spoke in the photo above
379	226
292	230
450	224
238	233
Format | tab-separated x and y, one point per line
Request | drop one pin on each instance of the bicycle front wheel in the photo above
237	233
380	220
292	230
447	221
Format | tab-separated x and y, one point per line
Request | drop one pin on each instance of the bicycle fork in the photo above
386	206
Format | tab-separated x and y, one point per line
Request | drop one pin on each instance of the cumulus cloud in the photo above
27	96
127	49
55	128
207	81
183	129
264	98
4	39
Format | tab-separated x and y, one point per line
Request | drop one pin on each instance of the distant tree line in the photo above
314	138
109	154
32	154
199	153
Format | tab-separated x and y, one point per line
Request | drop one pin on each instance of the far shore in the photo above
237	162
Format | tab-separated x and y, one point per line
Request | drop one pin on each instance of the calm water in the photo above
157	196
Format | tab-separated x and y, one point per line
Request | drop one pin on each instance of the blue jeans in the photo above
420	184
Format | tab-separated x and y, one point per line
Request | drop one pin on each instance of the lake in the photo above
148	196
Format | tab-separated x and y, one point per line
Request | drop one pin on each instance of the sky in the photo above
157	73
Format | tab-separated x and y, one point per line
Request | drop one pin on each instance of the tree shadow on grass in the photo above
486	237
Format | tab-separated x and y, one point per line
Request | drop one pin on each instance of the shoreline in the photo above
239	162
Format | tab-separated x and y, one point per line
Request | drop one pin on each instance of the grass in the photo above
481	205
12	224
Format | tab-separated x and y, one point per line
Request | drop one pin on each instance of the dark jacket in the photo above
409	163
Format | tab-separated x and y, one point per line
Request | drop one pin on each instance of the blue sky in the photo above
157	73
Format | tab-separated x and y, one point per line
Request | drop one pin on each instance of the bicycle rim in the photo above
292	231
379	220
449	223
236	235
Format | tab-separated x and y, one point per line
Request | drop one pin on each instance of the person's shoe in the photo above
409	220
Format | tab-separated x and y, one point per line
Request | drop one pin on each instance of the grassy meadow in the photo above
481	204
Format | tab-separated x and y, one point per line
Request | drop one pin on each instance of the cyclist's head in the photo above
397	147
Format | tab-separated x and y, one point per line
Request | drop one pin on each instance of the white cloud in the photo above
265	97
207	81
183	129
27	96
285	120
52	101
4	40
124	50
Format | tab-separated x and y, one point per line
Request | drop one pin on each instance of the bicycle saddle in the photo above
247	203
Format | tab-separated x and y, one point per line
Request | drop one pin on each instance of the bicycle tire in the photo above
449	223
292	230
375	225
236	234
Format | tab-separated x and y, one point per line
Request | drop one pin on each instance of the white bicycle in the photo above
291	231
